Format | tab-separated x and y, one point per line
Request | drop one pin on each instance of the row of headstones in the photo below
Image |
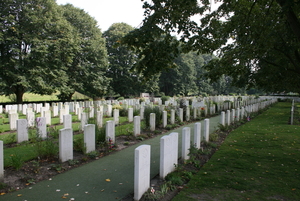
72	106
168	159
65	143
168	156
237	114
107	110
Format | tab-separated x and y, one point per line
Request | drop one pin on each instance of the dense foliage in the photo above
45	47
257	41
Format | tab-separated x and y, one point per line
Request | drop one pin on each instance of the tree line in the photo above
45	47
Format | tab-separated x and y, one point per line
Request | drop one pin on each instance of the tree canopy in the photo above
35	44
45	47
257	42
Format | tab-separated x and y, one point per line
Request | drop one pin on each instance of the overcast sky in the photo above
107	12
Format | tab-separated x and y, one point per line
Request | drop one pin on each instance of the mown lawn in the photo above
258	161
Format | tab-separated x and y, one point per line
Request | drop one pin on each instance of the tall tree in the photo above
35	47
264	34
87	69
125	81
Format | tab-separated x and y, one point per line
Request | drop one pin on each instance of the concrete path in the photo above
109	178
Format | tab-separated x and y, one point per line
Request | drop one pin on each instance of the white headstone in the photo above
116	116
47	115
166	165
67	118
65	144
22	130
186	143
206	130
89	138
152	121
99	119
197	135
30	116
13	121
110	131
137	125
222	120
41	127
84	120
141	170
172	121
181	114
130	114
165	119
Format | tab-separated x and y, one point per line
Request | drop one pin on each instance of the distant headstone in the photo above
47	115
13	121
67	119
30	116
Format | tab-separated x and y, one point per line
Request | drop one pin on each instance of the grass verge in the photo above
257	161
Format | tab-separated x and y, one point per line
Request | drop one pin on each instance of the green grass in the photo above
257	161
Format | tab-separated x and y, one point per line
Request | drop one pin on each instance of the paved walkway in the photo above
109	178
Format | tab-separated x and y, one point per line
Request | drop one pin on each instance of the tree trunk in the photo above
19	95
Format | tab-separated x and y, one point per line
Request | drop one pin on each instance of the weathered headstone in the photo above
137	126
89	138
47	115
166	165
141	170
13	121
187	116
152	121
116	116
222	120
197	135
181	114
99	119
174	140
84	120
186	143
22	130
30	116
65	144
67	118
130	114
206	130
165	118
55	111
110	131
172	121
62	112
41	127
228	117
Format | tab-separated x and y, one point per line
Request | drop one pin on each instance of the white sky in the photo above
107	12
